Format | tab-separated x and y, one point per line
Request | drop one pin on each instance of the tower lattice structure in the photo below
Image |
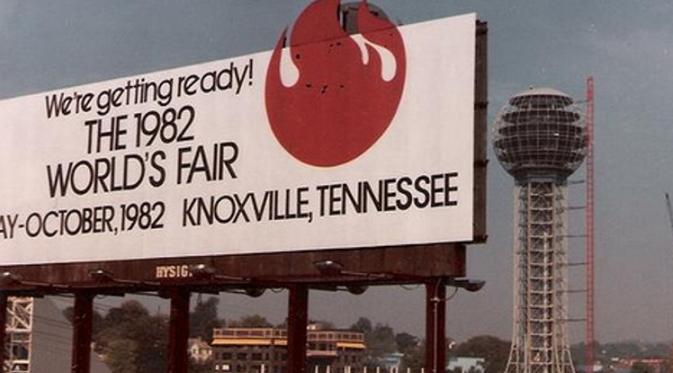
539	139
19	335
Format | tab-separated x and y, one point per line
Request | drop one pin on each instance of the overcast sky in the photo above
626	45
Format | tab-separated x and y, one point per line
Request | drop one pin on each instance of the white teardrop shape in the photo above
388	63
289	73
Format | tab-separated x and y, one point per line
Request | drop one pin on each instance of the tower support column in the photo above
539	343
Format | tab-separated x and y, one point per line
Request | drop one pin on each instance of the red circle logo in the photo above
341	102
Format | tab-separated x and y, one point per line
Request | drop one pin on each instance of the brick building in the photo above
264	350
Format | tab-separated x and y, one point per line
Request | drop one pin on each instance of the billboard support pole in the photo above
297	319
178	331
435	326
81	339
3	328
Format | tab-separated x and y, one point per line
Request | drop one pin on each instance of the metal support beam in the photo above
435	327
297	319
178	332
81	335
3	328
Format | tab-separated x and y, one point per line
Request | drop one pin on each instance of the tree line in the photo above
132	340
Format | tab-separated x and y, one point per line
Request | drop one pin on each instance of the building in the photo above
653	364
466	364
199	350
597	367
392	362
264	350
540	140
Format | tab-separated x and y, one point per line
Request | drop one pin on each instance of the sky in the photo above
626	45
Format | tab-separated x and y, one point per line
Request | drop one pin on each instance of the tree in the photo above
414	358
413	350
494	351
121	355
381	340
204	319
639	367
127	312
152	337
363	325
405	342
132	340
251	321
97	321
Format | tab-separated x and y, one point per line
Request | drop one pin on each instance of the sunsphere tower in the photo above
540	140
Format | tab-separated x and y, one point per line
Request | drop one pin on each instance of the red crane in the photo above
589	243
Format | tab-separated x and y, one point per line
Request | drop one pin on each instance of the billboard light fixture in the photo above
355	289
330	267
468	284
8	278
102	276
254	292
206	272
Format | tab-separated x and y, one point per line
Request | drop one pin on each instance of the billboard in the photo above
331	141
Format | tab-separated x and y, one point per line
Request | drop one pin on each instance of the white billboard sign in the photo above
358	141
